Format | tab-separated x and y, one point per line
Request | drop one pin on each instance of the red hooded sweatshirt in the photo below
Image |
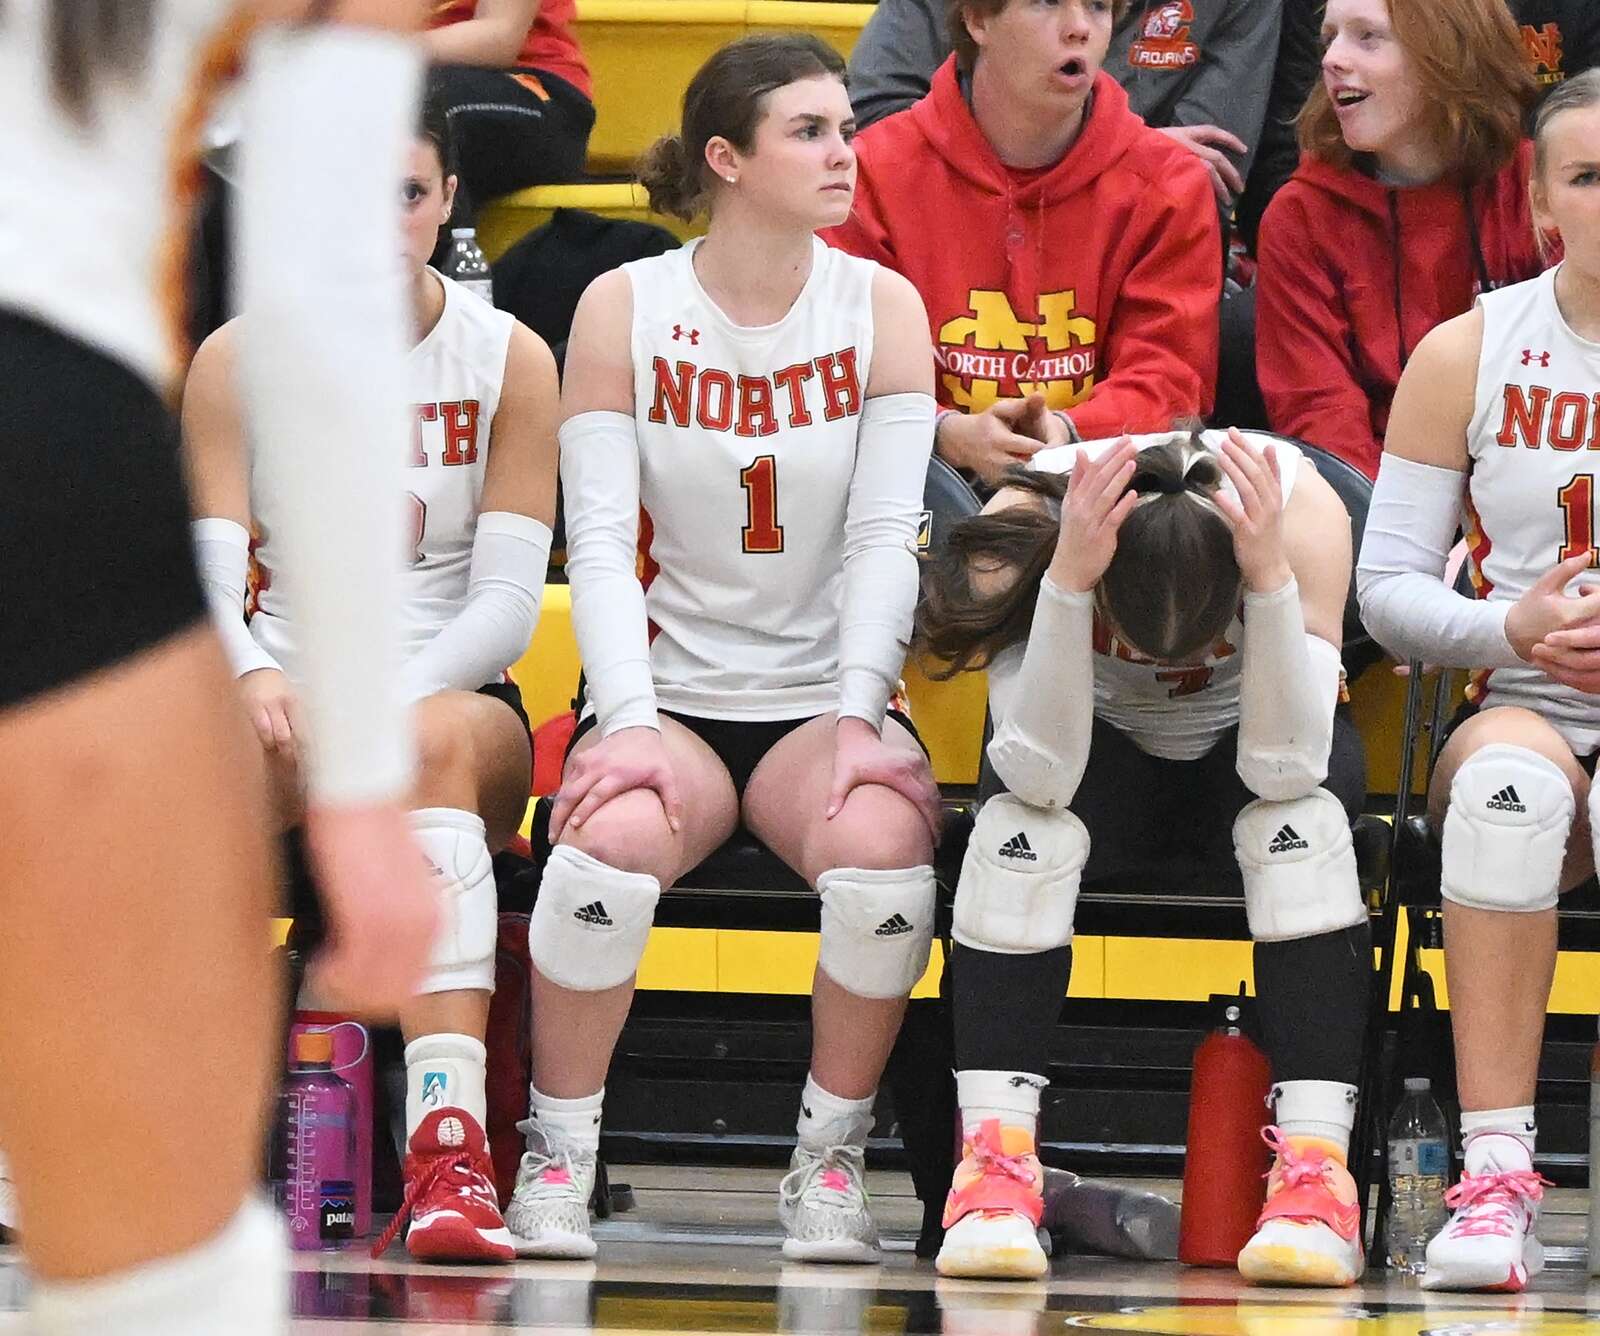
1353	273
1095	281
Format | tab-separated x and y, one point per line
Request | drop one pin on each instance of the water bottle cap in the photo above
463	233
1415	1085
313	1046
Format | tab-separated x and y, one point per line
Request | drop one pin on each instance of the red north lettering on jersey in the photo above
1539	416
749	406
460	418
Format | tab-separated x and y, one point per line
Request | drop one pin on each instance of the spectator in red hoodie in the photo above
1068	255
1410	199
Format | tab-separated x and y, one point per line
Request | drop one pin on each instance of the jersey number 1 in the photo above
759	479
1577	508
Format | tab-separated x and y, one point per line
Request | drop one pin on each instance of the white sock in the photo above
827	1120
1322	1109
573	1120
236	1282
1012	1098
1495	1141
445	1071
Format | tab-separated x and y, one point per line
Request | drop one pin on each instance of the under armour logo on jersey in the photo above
893	926
595	913
1506	800
1529	357
1287	839
1018	847
679	332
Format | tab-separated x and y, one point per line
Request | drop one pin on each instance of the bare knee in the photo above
446	761
629	833
876	828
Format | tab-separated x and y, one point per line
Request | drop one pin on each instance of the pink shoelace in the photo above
991	1159
1296	1167
1488	1202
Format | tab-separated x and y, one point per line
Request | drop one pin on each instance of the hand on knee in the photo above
877	822
877	928
1506	830
591	921
1018	891
1299	867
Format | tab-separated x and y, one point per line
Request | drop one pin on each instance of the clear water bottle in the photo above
1419	1164
312	1159
465	264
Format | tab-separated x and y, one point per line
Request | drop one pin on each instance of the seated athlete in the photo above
1491	421
765	403
481	482
1161	618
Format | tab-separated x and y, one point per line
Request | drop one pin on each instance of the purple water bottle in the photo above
314	1148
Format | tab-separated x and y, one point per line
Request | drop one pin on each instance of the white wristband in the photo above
1288	689
1044	708
1411	525
222	553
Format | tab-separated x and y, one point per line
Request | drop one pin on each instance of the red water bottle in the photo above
1224	1167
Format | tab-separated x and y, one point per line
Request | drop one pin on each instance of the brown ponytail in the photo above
1170	591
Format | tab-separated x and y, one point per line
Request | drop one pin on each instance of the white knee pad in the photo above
1299	867
877	927
591	921
453	842
1505	833
1019	881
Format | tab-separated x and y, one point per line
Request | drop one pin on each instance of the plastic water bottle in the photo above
313	1156
1419	1163
465	264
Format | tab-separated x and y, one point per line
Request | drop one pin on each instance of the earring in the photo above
732	181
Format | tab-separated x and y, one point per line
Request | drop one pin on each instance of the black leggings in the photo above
1167	823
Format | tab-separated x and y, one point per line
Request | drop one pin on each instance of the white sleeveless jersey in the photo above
86	210
1175	711
454	376
747	445
1534	453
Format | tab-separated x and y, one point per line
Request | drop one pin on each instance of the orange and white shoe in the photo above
450	1196
996	1201
1309	1231
1491	1242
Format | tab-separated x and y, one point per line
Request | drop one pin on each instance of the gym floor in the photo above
699	1253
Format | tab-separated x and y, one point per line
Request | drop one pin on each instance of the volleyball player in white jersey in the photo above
481	484
137	1007
1164	671
767	402
1492	421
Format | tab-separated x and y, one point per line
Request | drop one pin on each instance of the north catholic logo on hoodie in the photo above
1163	43
1543	46
989	352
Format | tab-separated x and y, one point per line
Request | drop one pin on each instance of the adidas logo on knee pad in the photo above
1286	840
893	926
594	912
1506	801
1018	847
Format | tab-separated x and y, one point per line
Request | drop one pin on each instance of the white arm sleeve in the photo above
879	598
600	483
1405	604
510	555
1288	688
1044	706
328	115
222	552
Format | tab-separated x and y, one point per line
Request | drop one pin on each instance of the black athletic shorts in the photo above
96	562
302	901
1169	824
740	744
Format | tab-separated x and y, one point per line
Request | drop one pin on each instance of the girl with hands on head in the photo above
1160	619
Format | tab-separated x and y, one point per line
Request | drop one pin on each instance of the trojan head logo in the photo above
1163	41
991	351
1543	45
